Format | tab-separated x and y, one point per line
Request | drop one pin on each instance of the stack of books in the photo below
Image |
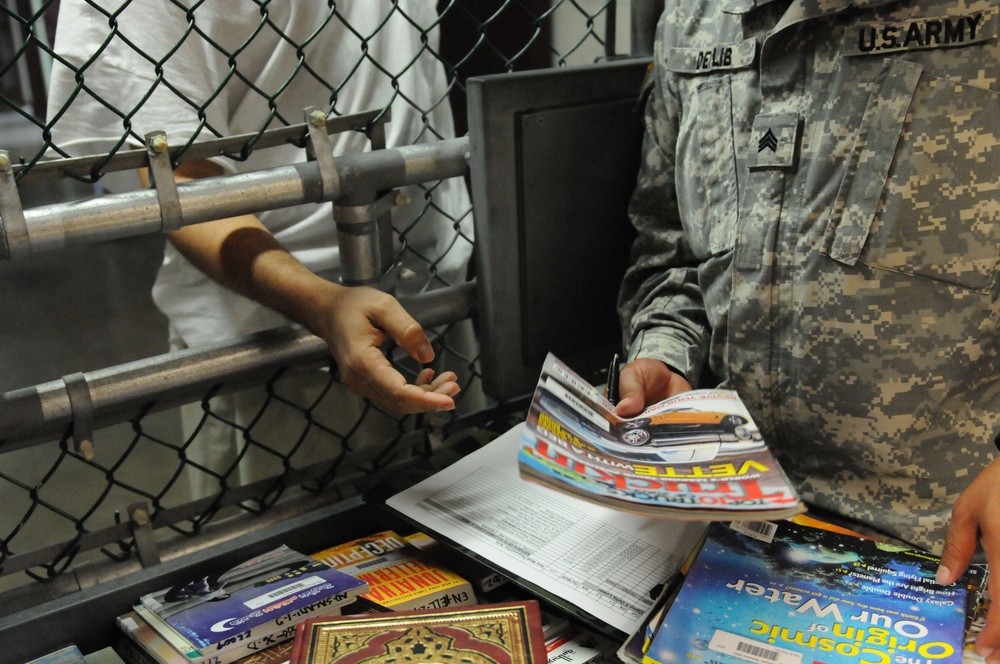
229	614
252	612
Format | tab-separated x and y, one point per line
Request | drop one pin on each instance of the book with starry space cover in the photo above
789	593
498	633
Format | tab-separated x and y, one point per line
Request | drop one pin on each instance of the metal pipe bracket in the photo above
320	150
161	174
142	531
82	407
362	222
352	218
14	240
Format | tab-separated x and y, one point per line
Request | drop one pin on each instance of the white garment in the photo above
367	54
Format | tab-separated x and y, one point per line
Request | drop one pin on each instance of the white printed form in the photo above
607	562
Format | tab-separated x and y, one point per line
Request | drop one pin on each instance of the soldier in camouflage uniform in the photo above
819	229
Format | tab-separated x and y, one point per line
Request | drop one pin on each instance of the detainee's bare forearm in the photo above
242	255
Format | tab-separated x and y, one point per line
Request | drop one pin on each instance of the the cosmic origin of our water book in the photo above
809	596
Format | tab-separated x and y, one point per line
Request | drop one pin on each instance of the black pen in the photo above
613	372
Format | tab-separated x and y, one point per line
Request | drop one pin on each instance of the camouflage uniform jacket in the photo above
819	218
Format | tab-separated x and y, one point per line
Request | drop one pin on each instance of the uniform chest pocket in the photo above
921	194
707	188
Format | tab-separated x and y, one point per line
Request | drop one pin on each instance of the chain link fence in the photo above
136	479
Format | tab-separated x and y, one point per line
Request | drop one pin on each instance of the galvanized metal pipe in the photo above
42	413
131	214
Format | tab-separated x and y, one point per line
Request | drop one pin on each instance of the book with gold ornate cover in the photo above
502	633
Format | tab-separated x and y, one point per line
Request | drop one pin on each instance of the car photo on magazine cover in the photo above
685	435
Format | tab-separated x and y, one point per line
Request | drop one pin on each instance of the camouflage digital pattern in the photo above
819	217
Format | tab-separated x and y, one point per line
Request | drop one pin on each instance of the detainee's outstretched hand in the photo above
244	256
975	518
359	322
643	382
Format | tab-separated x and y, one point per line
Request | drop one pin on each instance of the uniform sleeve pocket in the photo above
921	191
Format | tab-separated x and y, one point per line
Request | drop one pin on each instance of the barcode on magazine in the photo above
759	530
284	591
384	559
752	651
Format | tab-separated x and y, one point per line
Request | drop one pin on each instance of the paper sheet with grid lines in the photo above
606	562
